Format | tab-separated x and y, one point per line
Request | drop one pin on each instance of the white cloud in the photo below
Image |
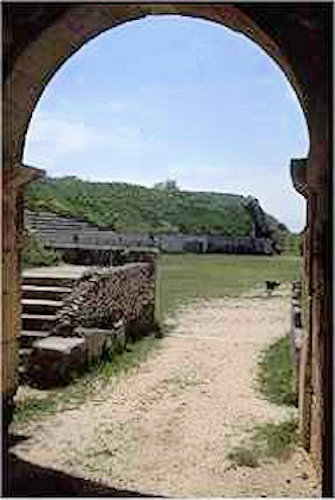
54	141
64	134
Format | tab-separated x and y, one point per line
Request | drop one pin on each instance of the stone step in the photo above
91	231
54	222
62	227
99	340
51	222
28	337
44	292
48	281
55	359
40	306
51	217
38	322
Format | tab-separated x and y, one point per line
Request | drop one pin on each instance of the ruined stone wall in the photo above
61	232
103	298
240	245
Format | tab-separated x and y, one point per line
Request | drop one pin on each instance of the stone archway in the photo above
39	38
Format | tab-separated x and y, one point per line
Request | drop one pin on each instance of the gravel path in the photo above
166	429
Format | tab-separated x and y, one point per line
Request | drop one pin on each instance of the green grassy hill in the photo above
127	207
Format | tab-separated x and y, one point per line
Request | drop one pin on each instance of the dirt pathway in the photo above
167	428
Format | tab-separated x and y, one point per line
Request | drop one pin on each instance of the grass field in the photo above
183	278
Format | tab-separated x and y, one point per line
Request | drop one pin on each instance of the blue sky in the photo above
178	98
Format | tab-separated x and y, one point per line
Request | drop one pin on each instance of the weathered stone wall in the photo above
15	177
10	303
103	298
240	245
262	226
77	240
319	361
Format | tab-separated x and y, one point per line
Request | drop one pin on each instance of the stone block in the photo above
54	360
99	341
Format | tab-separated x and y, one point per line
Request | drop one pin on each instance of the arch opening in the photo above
35	61
120	179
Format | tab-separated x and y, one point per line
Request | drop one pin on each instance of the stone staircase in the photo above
44	221
49	359
41	298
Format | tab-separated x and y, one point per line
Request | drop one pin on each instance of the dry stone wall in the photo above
103	298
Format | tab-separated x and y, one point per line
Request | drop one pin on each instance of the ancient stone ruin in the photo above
83	243
71	321
263	228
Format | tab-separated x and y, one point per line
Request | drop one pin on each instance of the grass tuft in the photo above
268	440
118	363
273	440
276	374
29	408
243	457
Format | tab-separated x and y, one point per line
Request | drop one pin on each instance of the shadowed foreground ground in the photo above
23	479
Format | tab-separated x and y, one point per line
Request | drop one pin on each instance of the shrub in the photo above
276	374
35	254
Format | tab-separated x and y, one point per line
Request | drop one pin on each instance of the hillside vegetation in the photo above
127	207
35	254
